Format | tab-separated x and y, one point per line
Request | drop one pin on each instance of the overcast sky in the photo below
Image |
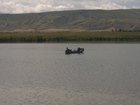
28	6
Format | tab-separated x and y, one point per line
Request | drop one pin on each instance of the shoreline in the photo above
70	37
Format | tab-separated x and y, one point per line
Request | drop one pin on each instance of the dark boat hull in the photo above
74	51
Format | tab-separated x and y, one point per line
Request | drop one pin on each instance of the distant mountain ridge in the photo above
76	20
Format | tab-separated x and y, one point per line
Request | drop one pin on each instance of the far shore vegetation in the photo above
84	37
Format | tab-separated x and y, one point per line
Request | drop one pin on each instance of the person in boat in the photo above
67	49
78	49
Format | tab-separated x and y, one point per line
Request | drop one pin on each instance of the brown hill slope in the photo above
72	20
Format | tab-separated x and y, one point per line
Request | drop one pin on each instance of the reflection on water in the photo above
103	68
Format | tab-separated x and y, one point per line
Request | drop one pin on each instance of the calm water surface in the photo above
103	68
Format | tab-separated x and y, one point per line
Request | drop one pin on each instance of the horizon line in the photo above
72	10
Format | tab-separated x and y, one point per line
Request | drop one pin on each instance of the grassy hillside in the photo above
77	20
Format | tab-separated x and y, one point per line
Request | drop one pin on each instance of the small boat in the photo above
78	51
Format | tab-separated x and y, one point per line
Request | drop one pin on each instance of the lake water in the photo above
106	74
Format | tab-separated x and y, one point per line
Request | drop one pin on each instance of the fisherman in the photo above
78	49
68	49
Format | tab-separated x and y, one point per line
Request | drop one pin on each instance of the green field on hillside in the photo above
47	37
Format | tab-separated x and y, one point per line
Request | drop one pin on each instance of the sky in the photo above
35	6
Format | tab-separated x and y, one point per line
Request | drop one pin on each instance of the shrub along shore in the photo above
48	37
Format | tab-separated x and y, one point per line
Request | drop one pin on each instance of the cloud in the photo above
22	6
101	5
